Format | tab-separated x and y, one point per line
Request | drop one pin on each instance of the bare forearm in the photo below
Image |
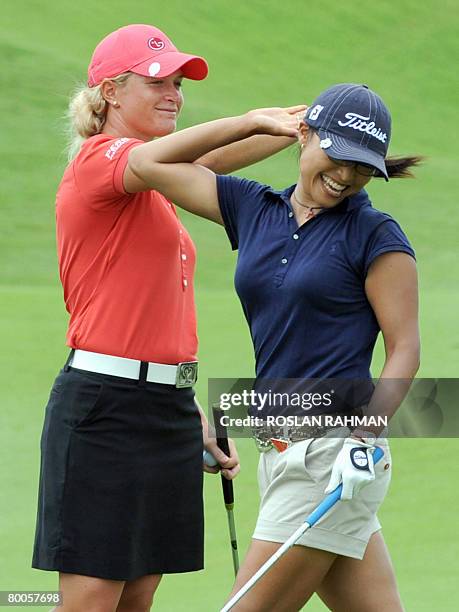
402	362
192	143
393	385
275	126
235	156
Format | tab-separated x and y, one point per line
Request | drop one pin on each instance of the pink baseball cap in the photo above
145	50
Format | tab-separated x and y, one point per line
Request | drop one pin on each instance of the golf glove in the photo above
353	467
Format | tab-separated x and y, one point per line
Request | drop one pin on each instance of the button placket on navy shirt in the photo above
293	241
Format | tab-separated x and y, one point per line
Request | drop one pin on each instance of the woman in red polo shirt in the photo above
120	499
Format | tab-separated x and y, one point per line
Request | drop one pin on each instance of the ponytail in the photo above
400	167
87	113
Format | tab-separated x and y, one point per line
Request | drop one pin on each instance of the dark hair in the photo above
397	167
400	167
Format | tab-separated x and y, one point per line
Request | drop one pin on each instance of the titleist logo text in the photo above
359	122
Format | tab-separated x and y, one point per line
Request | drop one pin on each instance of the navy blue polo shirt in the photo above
302	288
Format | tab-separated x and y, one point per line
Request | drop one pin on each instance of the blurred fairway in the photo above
260	54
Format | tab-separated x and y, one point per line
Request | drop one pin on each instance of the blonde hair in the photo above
87	113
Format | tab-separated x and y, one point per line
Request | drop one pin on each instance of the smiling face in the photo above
323	183
143	107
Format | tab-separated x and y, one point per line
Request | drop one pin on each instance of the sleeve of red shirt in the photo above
99	168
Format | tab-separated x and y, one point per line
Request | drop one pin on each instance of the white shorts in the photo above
292	484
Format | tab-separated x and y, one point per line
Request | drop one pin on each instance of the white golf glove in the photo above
353	467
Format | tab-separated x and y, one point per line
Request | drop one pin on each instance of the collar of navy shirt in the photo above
358	200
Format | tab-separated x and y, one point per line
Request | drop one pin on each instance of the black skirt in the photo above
120	491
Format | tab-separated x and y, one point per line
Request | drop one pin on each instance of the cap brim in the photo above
164	64
345	149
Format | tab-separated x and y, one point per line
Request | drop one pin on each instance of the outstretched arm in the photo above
166	164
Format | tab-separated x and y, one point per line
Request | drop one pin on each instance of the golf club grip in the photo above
222	443
335	495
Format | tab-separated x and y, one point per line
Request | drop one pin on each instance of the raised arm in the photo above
246	152
166	164
237	155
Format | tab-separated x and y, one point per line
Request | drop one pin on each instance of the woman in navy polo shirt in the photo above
320	272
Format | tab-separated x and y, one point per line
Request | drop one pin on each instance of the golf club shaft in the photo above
227	486
266	566
311	520
232	532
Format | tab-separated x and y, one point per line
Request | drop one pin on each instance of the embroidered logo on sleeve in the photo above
112	150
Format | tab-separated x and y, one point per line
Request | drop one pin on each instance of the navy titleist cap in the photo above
353	124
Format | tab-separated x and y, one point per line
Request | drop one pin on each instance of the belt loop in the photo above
143	373
68	363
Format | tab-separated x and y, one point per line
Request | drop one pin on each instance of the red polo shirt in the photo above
126	262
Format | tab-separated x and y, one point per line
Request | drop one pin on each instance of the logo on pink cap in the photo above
156	44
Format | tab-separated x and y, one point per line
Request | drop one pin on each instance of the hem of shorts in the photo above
323	539
82	568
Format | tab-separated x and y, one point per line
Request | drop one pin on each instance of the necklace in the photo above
311	209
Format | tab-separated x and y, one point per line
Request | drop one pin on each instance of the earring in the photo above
116	104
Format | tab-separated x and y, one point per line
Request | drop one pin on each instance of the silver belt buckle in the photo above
187	374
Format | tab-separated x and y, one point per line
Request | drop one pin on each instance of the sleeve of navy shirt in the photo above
237	198
377	233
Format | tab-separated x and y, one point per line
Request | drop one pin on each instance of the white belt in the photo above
183	374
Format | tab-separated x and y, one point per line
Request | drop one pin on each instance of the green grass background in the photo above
261	53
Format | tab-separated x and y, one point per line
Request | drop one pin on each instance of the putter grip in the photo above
222	443
335	495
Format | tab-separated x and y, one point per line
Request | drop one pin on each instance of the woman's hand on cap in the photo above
277	121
